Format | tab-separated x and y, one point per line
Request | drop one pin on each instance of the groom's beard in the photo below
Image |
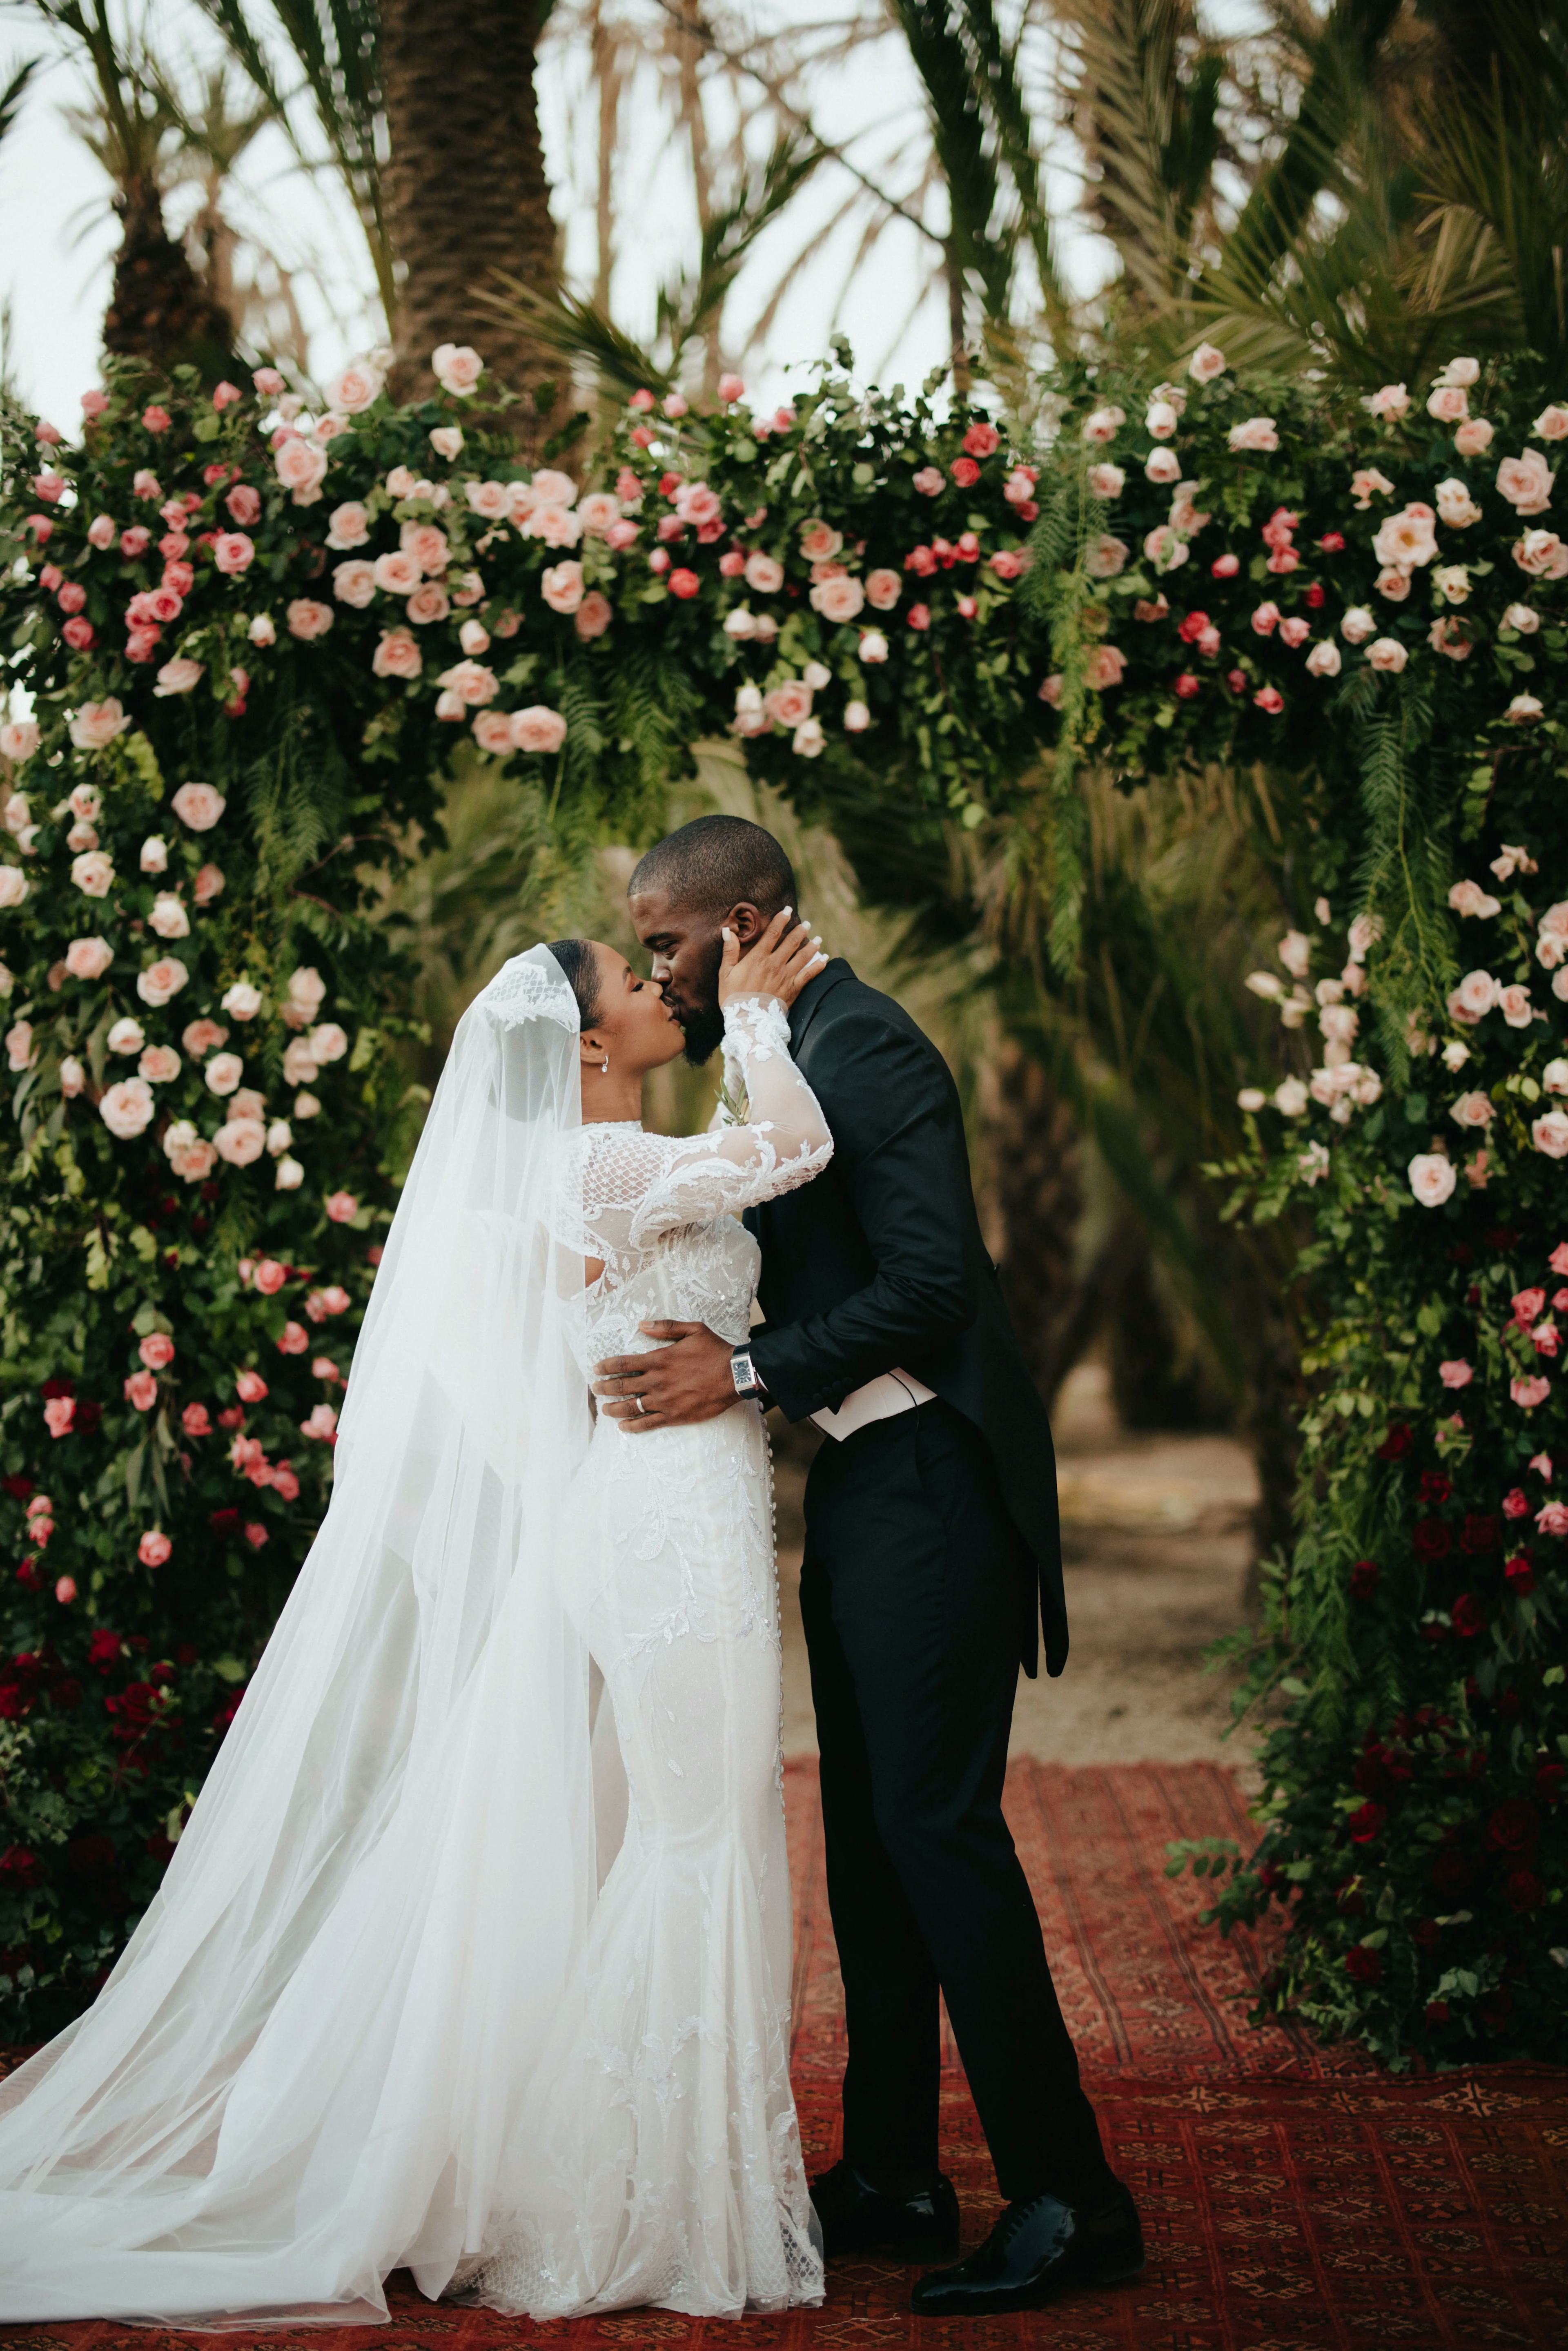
702	1023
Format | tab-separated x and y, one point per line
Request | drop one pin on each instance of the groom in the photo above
932	1555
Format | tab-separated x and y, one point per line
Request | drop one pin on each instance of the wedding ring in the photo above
637	1400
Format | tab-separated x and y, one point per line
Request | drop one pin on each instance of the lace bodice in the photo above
660	1210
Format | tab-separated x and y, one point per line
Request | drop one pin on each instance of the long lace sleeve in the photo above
636	1185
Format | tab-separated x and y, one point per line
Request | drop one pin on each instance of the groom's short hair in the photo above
715	862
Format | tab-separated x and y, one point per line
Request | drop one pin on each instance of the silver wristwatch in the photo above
745	1374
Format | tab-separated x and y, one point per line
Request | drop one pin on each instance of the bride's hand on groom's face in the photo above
778	963
686	1378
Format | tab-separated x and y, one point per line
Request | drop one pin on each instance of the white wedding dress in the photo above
384	2012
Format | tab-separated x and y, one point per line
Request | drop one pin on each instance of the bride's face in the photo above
633	1024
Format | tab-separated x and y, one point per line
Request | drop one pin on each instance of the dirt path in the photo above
1156	1544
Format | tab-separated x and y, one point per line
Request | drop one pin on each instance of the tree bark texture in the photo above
468	192
159	309
1031	1202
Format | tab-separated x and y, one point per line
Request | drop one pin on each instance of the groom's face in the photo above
686	949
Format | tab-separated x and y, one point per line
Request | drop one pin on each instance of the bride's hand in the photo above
779	962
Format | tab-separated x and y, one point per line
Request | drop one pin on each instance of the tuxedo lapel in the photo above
804	1009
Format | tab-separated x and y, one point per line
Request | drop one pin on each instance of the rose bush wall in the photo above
1368	595
248	640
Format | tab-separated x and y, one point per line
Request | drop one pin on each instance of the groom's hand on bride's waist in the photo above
687	1377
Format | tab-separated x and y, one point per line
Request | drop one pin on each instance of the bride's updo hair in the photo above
580	964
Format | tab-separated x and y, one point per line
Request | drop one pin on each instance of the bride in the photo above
445	1973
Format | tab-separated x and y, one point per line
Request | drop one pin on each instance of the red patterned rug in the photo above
1294	2199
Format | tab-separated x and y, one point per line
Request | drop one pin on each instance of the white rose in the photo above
290	1173
1387	653
328	1044
1433	1177
128	1108
1550	1134
169	918
1357	625
126	1036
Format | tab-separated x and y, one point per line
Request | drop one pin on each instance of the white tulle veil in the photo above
305	2067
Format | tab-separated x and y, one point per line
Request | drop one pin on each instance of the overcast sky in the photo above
59	237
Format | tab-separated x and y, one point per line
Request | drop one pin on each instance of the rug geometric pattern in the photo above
1294	2199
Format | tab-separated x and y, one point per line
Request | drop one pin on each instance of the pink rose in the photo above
101	531
1323	661
1387	653
161	980
354	582
1526	482
1103	559
80	635
1528	1394
491	501
397	655
1406	538
208	885
200	1037
764	574
1271	699
883	590
225	395
493	733
250	1387
97	724
240	1141
18	739
789	703
928	481
155	1548
428	604
88	958
342	1208
1105	482
93	872
270	1277
1550	1134
981	440
199	806
1456	1374
127	1109
820	542
1552	1517
594	615
1513	1003
919	616
233	552
538	729
301	468
1266	619
60	1412
1474	437
1543	554
160	1065
224	1072
598	511
356	389
397	572
321	1424
471	682
1525	710
196	1421
309	620
1206	363
456	367
178	676
1295	632
243	505
1448	403
838	601
560	585
1106	667
1255	433
347	526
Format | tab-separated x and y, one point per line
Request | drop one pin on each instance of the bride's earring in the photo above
605	1065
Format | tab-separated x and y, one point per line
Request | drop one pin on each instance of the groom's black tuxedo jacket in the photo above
878	1262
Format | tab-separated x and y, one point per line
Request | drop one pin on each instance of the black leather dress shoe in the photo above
1037	2251
857	2218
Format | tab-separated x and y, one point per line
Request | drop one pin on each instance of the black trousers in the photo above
914	1590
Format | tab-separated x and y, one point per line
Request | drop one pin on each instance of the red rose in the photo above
24	1868
982	439
1519	1574
1434	1485
1192	628
1396	1445
1362	1966
1365	1823
1514	1826
965	472
1437	2012
103	1649
1425	1933
1186	685
1363	1578
1525	1890
1466	1616
683	584
1315	596
93	1854
1453	1872
1430	1537
1480	1532
1333	542
1549	1782
1235	679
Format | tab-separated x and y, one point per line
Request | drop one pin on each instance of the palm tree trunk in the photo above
159	309
469	194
